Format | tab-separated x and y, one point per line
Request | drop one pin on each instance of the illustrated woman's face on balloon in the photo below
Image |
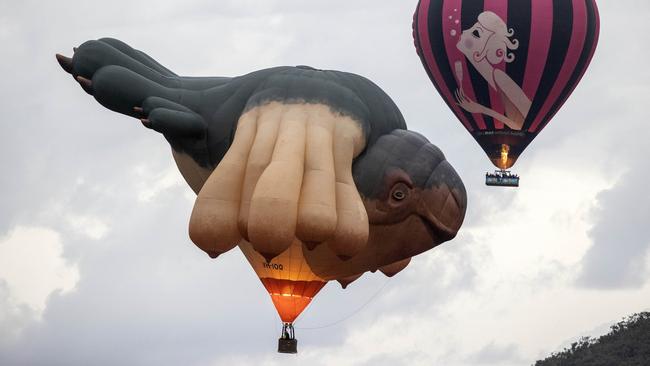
473	41
488	38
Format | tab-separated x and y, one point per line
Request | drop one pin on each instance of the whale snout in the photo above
443	202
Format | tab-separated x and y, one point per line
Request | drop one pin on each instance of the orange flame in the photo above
505	149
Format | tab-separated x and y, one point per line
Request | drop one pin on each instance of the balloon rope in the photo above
352	313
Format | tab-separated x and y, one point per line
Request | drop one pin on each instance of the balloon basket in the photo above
501	178
288	342
287	345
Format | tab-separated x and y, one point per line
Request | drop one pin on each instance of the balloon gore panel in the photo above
291	297
287	278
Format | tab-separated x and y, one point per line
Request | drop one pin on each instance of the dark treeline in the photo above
627	344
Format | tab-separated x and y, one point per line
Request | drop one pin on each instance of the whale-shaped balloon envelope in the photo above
312	173
505	67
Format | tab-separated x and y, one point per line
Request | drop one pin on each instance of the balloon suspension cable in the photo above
287	331
352	313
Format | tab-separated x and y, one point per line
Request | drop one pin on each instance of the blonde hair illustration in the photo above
498	43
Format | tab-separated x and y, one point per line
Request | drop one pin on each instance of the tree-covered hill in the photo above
627	344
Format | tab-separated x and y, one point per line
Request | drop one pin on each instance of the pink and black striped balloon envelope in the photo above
505	67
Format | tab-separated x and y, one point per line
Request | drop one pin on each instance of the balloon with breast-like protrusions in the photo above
505	67
312	173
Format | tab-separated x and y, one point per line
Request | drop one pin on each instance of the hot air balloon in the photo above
311	173
505	67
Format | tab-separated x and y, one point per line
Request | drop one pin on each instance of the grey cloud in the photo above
146	295
431	281
620	233
437	277
618	257
496	354
13	317
408	357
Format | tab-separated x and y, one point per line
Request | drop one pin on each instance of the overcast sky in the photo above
96	267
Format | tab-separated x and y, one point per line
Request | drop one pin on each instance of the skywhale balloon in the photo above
311	173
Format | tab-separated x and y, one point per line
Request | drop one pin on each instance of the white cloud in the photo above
31	269
32	266
152	183
92	227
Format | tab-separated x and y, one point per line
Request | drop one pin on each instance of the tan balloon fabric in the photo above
259	158
213	224
287	174
352	226
274	206
317	207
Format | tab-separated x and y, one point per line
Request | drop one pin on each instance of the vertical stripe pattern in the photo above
560	38
521	21
500	8
451	11
541	28
586	54
433	55
554	42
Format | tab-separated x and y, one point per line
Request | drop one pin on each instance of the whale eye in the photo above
399	192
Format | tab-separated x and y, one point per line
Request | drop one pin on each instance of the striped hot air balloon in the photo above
505	67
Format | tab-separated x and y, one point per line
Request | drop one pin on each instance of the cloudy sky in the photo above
96	266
